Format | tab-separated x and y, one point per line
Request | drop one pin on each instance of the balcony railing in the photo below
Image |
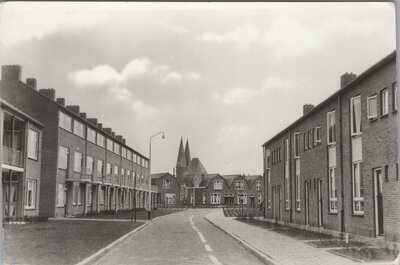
13	157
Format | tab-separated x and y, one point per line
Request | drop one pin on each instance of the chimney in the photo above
83	115
73	108
61	101
100	125
307	108
32	83
11	72
119	137
108	130
48	92
113	134
123	141
346	79
92	121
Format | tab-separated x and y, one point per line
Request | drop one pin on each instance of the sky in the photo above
226	76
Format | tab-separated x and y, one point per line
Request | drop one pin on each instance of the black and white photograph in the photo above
191	133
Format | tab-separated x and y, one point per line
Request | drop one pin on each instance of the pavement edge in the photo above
266	259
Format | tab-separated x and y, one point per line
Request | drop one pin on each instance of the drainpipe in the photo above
343	228
290	176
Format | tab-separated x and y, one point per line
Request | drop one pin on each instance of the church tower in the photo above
181	163
187	153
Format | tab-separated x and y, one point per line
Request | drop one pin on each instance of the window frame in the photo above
373	97
328	126
81	127
394	97
88	129
352	118
296	144
60	147
384	102
217	184
360	199
298	185
75	161
36	146
100	137
33	184
333	200
62	118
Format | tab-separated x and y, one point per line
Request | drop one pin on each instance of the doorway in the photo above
307	202
379	227
319	197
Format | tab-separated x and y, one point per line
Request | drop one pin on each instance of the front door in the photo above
378	201
10	195
307	201
279	202
319	190
273	203
252	201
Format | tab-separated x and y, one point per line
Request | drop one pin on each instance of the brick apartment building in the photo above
84	167
335	168
200	189
20	162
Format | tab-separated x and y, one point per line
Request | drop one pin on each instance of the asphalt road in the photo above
183	238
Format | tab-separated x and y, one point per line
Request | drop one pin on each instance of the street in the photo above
183	238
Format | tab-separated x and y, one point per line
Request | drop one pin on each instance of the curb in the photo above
265	258
107	248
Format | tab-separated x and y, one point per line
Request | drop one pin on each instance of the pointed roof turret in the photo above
181	162
187	152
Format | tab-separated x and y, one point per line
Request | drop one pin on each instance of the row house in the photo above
335	168
21	152
169	189
84	166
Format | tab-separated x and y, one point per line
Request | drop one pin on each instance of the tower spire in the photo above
181	162
187	152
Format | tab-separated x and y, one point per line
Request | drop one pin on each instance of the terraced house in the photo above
335	168
84	167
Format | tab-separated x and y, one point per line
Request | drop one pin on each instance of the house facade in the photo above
336	168
168	189
84	166
21	145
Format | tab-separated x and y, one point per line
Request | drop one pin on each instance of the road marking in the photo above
207	247
214	260
202	239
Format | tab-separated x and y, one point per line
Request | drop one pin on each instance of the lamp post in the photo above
151	137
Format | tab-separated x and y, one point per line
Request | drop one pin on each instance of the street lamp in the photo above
151	137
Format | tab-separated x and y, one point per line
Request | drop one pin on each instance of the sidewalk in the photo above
273	247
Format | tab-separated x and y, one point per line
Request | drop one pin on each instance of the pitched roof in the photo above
251	178
181	162
229	178
207	178
196	167
187	152
155	177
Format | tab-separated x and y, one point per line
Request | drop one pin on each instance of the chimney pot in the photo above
307	108
11	72
61	101
32	83
346	79
73	108
48	92
92	121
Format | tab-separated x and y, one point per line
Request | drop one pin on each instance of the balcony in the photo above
13	157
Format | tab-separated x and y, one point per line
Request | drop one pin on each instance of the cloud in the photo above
242	37
136	68
236	96
24	21
175	29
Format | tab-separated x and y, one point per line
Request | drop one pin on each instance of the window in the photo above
30	194
61	195
332	190
191	198
63	157
91	135
258	185
122	174
296	145
310	139
100	140
110	145
217	184
78	162
101	196
76	195
215	198
134	157
169	198
129	155
331	127
305	140
297	180
259	196
108	169
372	107
123	152
33	144
116	172
358	199
128	175
317	135
394	95
384	101
239	185
65	121
242	198
287	183
78	128
167	184
89	165
204	198
355	108
117	148
100	167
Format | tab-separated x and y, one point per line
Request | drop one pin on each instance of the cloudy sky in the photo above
226	76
